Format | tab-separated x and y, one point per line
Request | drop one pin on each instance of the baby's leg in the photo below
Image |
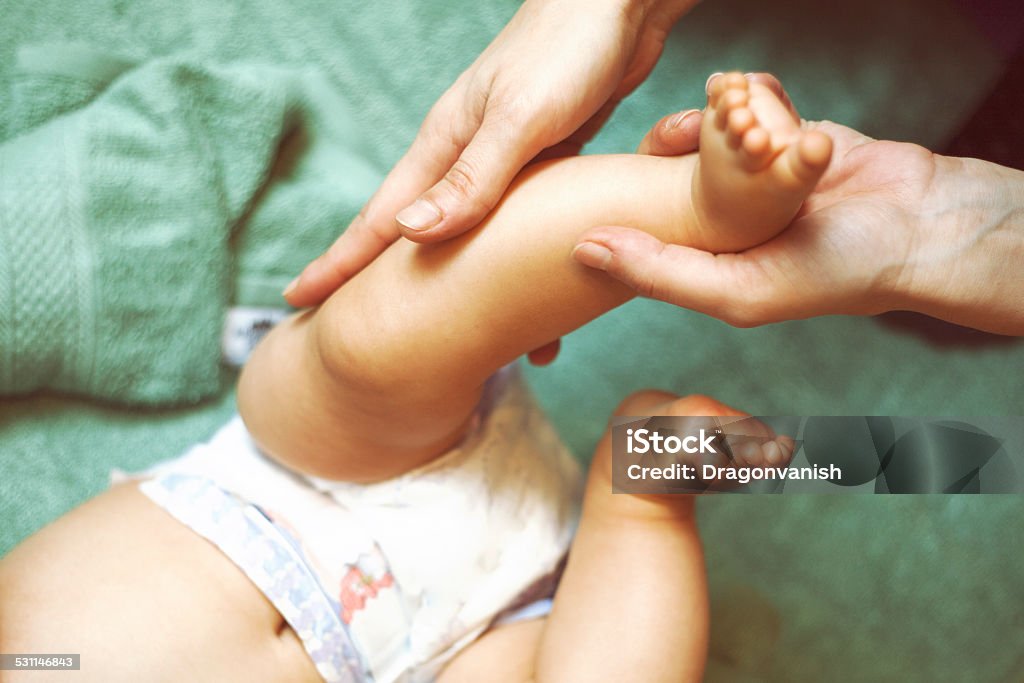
386	374
632	605
142	598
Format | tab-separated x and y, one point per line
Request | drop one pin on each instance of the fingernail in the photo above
678	120
707	84
291	287
749	75
592	255
420	215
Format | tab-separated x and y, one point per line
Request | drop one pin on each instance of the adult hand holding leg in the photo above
891	226
551	77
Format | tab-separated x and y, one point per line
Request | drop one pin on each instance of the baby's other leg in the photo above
142	598
633	602
756	167
632	605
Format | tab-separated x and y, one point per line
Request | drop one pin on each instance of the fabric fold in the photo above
115	221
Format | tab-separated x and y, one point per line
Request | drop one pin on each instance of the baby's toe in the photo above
815	150
756	149
734	80
746	452
730	101
738	122
805	160
772	453
718	84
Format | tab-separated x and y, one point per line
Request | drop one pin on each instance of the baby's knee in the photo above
644	402
699	405
656	402
356	356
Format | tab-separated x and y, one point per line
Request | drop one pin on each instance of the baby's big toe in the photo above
738	122
805	160
756	149
729	102
815	150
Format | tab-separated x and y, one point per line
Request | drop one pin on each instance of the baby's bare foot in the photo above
756	168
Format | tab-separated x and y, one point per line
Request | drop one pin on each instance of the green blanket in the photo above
122	211
922	589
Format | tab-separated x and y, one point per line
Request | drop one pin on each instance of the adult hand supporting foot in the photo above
551	77
891	226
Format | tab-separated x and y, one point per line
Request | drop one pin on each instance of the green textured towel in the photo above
115	217
50	79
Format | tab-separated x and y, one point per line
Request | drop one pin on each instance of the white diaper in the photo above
387	582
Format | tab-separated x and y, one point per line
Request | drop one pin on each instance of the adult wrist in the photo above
666	12
967	261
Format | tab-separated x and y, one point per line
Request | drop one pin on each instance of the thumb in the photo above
471	187
713	284
673	135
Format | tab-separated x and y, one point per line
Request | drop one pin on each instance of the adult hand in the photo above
890	226
551	77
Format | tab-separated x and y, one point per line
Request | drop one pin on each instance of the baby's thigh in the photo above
507	654
140	597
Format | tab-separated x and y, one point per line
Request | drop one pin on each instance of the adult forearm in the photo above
968	264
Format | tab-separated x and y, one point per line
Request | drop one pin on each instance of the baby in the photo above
390	505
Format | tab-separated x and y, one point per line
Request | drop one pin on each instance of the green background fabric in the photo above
866	589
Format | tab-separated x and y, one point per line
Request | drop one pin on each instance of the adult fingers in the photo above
473	184
350	253
730	287
435	148
673	135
